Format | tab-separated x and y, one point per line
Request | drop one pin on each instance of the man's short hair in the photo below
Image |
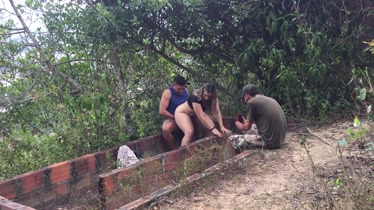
179	80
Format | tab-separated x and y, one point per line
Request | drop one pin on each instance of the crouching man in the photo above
269	117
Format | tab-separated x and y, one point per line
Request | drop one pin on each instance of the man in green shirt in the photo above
268	116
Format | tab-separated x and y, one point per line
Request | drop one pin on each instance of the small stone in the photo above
169	202
197	199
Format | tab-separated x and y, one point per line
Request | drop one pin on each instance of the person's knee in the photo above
187	138
168	127
189	133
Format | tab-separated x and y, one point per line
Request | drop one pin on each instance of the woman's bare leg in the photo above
184	122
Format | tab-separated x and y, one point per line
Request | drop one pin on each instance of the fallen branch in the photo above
319	137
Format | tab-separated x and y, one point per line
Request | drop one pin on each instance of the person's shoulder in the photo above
257	99
193	97
265	99
169	89
186	93
166	92
260	96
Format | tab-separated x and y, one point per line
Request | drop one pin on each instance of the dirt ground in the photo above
279	179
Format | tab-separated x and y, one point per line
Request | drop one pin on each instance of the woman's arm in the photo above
220	121
204	119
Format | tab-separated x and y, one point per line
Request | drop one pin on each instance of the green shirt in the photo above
269	118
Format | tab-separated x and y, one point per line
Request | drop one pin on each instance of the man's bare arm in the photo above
246	125
164	103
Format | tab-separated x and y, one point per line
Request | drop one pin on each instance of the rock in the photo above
197	199
171	202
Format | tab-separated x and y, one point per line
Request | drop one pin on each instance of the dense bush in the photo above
93	75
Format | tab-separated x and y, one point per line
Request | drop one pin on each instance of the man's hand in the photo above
241	126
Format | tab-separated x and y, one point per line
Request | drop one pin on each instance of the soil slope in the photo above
275	179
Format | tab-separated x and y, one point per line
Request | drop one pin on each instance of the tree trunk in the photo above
123	91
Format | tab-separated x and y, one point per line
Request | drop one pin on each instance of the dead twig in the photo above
319	137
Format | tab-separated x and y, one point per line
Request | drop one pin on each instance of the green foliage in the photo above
363	93
337	183
125	53
22	151
357	134
283	44
351	184
370	46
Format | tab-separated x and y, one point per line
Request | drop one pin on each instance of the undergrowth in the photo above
351	183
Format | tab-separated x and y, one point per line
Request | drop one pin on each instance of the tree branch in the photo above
73	60
9	34
24	44
190	71
12	29
43	56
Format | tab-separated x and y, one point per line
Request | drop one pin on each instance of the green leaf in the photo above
363	94
28	3
356	122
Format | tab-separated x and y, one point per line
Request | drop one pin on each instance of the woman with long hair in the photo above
201	108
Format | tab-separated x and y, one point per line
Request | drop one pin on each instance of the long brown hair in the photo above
210	109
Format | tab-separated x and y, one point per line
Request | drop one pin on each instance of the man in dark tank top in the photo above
171	98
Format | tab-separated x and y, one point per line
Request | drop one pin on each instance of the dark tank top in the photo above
194	99
176	100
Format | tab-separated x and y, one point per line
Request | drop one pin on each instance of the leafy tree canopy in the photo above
92	75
